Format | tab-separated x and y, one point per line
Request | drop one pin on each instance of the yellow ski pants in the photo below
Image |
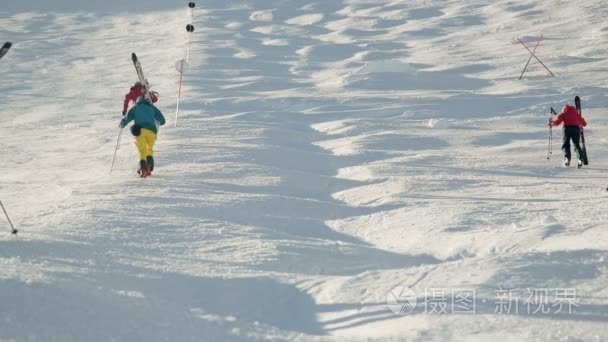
145	143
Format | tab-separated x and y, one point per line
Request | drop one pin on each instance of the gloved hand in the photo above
153	96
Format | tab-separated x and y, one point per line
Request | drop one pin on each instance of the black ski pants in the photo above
572	133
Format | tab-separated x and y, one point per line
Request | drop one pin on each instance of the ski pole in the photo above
549	152
190	29
550	148
551	128
551	141
116	150
14	231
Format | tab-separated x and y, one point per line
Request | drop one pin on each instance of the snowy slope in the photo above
327	152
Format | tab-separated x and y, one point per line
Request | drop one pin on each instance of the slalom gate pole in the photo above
13	230
191	6
189	29
189	41
116	149
179	89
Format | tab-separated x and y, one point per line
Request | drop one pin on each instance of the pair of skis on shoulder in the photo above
140	74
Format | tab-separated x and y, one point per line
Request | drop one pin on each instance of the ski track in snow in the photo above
326	152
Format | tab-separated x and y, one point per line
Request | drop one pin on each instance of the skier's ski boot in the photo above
143	169
150	163
579	164
566	162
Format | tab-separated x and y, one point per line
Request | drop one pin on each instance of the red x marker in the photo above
533	55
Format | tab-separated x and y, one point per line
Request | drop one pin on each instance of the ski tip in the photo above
7	45
133	56
577	103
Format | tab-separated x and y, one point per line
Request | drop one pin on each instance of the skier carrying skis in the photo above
146	117
573	122
136	91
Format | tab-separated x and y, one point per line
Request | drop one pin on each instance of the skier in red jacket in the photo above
136	91
573	122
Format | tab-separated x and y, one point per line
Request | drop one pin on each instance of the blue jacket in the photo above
145	115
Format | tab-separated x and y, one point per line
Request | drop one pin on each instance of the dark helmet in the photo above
138	85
